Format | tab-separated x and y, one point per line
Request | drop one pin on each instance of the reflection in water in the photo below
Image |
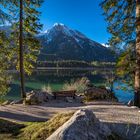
56	79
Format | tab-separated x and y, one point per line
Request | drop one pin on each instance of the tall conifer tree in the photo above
123	18
25	26
29	46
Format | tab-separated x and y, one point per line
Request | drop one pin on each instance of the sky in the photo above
82	15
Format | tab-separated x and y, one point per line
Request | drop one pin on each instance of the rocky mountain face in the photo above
63	43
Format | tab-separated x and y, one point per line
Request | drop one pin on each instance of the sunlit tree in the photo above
123	18
25	26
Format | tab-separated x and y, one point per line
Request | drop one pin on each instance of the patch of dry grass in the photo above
42	130
79	85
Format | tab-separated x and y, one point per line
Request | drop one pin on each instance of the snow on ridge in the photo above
58	24
59	27
105	45
46	31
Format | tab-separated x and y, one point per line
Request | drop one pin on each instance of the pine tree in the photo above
21	53
24	31
123	18
25	24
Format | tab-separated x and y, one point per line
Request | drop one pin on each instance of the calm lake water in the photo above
57	78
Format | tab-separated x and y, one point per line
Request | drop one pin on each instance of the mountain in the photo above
63	43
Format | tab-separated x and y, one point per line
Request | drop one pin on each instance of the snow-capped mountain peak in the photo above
67	43
58	24
58	28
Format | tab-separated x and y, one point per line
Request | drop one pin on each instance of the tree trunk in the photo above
137	70
21	51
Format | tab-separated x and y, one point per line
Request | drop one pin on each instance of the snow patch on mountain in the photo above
59	27
57	24
105	45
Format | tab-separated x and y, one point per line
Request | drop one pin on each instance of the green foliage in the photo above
126	64
5	58
9	48
31	26
6	52
121	18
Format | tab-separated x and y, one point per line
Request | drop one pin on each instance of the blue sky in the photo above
83	15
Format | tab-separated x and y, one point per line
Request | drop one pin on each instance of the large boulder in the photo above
36	97
82	126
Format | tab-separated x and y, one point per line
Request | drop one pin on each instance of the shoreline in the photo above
65	68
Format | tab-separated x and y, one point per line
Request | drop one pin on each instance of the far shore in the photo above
72	68
66	68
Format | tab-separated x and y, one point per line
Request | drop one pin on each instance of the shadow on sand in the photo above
21	117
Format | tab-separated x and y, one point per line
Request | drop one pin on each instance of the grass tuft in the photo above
42	130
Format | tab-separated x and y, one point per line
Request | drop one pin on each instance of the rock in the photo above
79	99
69	99
83	125
17	102
130	103
50	96
99	93
36	97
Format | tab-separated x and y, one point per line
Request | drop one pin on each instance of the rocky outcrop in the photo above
99	93
82	126
36	97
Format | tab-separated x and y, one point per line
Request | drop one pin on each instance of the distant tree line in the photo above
64	63
74	63
103	64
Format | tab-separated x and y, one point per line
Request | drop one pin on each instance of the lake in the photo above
57	77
